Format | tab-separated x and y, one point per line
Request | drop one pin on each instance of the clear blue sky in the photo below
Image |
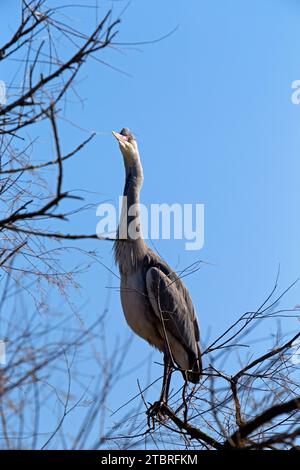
211	107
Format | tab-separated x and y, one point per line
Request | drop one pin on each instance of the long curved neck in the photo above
130	223
130	247
133	183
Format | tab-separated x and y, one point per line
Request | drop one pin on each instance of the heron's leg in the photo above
166	379
157	409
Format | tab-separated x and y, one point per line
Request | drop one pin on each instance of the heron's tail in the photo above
194	375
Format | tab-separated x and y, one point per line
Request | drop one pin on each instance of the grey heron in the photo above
156	303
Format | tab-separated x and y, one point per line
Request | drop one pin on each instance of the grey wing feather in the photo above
171	301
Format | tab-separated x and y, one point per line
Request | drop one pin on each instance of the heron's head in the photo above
128	145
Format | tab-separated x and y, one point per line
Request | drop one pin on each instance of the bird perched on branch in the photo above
156	304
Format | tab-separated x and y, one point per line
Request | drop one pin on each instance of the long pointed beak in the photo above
120	138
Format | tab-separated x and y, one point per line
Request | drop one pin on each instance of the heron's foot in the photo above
157	411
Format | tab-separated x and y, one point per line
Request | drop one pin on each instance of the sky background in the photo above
211	108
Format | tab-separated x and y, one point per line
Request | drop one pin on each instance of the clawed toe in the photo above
156	410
